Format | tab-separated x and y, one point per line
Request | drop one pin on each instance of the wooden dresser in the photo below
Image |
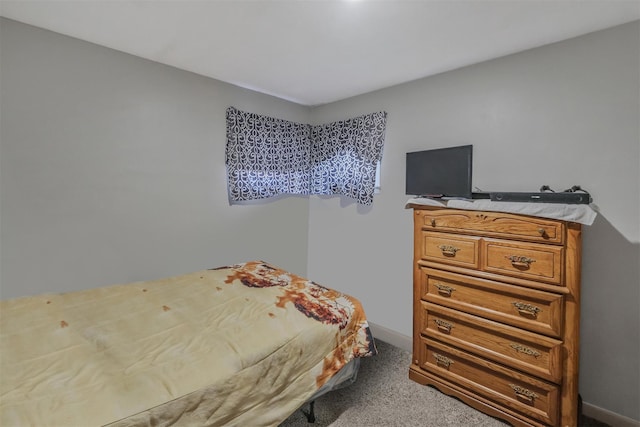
496	312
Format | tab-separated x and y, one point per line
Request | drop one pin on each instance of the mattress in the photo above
245	344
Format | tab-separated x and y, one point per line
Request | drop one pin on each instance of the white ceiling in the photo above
314	52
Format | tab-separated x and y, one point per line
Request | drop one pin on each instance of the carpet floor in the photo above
383	395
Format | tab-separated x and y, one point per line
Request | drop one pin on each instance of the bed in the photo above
239	345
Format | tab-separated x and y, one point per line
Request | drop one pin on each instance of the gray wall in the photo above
112	170
562	114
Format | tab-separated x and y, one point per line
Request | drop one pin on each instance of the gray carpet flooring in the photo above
383	395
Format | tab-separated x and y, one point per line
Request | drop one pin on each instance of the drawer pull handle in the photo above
442	360
521	262
444	289
433	222
523	393
527	309
448	250
444	326
526	350
542	232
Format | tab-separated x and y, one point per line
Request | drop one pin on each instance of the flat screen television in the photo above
442	172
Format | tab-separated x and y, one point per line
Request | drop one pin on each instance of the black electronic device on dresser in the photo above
542	197
574	195
441	172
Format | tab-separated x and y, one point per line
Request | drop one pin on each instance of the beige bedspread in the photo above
241	345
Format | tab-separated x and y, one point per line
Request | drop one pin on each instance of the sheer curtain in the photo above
267	156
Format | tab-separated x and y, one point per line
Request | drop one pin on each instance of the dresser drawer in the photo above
532	353
525	260
523	393
451	249
493	224
534	310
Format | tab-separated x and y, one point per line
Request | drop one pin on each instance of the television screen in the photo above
443	172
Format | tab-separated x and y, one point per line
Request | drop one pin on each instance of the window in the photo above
266	156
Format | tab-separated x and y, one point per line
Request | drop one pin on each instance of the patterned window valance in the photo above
266	156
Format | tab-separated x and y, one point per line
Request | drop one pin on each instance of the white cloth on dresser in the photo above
580	213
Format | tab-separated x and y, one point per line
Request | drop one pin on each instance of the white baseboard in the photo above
392	337
405	342
606	416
